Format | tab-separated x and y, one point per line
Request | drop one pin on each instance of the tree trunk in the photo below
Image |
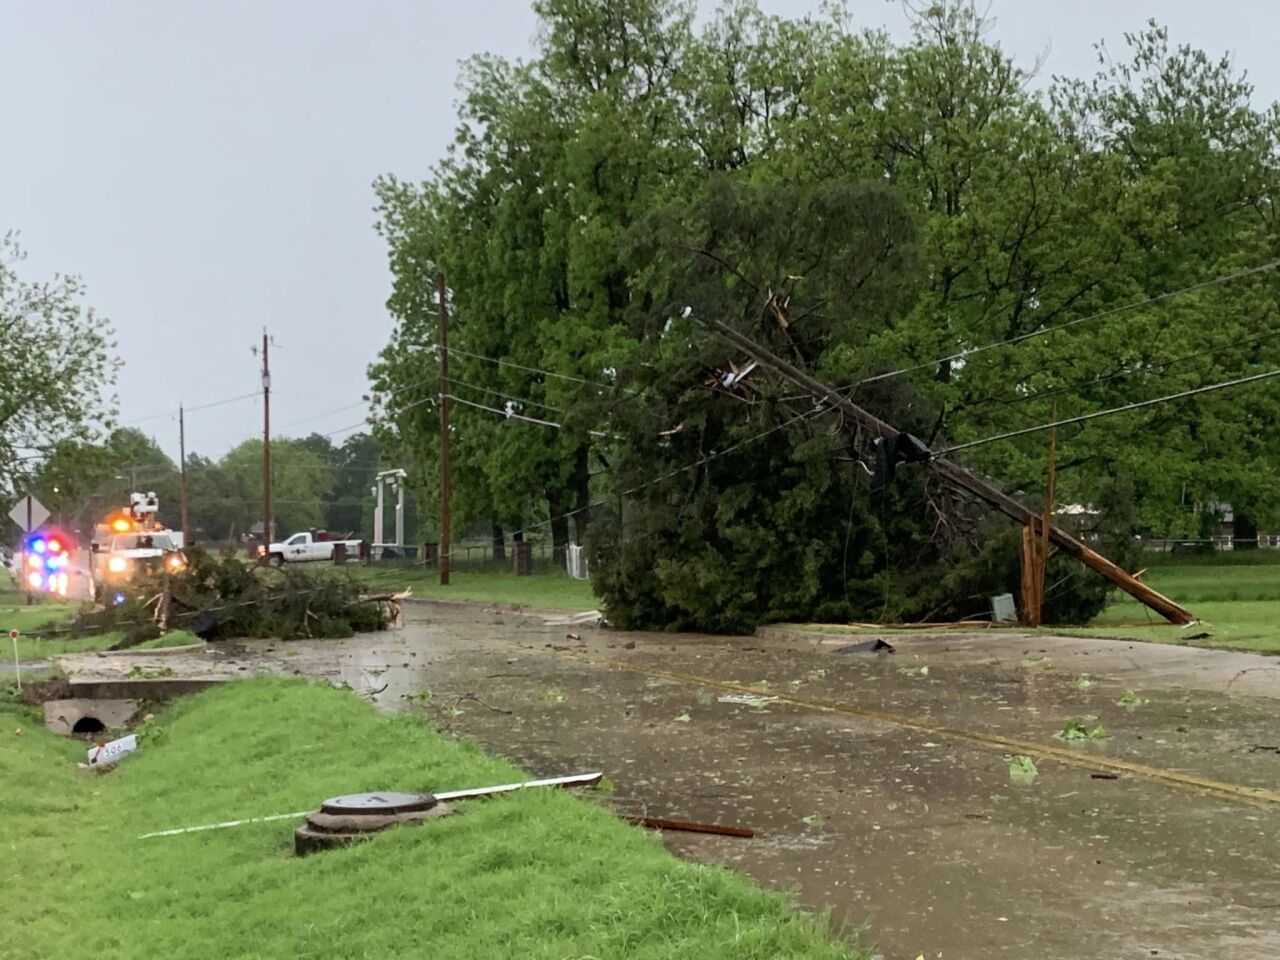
581	484
559	525
499	543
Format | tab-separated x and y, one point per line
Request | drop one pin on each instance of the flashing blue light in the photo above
37	546
119	598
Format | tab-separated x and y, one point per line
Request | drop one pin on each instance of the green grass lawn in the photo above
15	614
46	612
1236	597
544	591
51	613
540	875
41	648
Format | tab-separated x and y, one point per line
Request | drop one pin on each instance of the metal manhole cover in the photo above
383	804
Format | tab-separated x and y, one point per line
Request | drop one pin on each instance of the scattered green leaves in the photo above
1074	731
1022	769
1131	701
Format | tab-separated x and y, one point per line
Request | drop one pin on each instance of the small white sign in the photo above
104	753
28	513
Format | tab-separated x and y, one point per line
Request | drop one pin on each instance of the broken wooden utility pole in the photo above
1035	545
958	476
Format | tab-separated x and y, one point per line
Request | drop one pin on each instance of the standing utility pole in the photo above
446	479
182	461
958	476
266	441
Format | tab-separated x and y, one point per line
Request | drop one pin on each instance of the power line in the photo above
223	403
506	413
367	422
454	381
546	373
1110	312
362	402
512	415
203	406
1119	374
1106	413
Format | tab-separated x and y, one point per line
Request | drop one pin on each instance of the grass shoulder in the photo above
543	591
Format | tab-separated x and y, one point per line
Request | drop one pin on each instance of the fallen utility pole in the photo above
958	476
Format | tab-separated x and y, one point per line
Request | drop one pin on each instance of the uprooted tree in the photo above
768	509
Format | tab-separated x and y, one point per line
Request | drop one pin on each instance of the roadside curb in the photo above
156	651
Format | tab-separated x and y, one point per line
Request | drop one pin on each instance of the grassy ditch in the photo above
537	875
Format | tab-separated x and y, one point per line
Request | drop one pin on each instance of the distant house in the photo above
1081	519
1224	536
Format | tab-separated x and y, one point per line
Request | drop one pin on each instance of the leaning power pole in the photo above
182	463
266	440
446	479
958	476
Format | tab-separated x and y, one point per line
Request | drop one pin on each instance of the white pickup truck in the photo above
303	547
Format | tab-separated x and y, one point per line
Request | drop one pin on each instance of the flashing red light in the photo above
55	546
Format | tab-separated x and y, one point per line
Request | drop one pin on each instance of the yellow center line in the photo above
1255	796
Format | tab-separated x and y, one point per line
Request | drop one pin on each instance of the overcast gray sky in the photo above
206	166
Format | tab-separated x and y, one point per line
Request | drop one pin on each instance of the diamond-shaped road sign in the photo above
28	513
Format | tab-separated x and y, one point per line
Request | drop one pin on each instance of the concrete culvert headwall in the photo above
87	716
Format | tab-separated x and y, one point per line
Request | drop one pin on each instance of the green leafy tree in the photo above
57	369
82	483
226	497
